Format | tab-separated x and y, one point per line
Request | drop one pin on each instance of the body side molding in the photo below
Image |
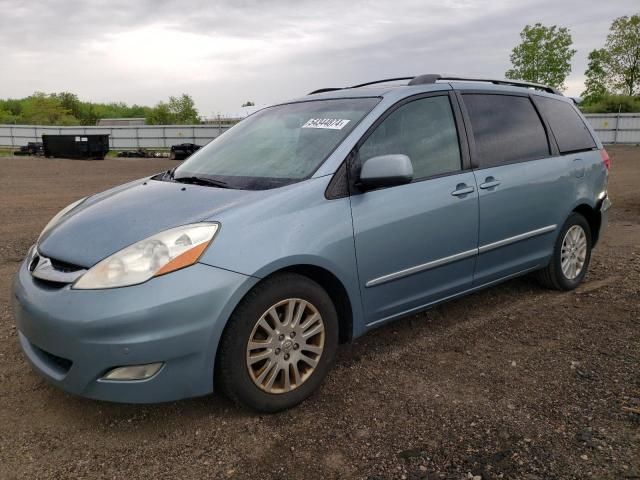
458	256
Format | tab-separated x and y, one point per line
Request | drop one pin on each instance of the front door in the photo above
416	243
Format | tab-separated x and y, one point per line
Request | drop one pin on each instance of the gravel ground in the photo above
513	382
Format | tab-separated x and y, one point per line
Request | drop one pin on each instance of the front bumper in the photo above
73	337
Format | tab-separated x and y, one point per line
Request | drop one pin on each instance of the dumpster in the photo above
82	147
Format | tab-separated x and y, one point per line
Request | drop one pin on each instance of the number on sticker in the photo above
329	123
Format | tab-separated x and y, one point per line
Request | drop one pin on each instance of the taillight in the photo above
605	158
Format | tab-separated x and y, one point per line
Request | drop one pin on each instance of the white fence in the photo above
616	128
120	138
611	128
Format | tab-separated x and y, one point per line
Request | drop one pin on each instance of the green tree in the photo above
596	77
183	110
7	117
12	105
178	111
88	114
43	109
69	101
248	104
623	54
136	111
159	115
543	56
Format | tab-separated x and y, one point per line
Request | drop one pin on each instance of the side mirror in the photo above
386	171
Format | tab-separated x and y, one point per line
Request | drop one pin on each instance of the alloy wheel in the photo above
285	346
574	252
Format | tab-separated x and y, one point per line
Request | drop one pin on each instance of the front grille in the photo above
53	273
64	266
58	265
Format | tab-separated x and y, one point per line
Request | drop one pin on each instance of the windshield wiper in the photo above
210	182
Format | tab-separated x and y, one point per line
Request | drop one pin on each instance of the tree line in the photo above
66	109
612	81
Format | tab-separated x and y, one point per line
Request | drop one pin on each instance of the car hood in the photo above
107	222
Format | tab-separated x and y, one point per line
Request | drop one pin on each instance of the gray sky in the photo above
224	53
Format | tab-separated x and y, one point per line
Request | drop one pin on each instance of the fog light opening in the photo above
133	372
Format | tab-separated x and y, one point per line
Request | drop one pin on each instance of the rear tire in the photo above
571	255
283	326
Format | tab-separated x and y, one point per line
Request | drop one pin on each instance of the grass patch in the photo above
7	152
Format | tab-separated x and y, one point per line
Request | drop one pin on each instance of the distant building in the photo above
120	122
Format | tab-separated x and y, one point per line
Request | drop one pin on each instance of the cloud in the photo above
224	53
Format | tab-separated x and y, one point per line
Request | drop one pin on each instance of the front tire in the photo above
279	344
571	255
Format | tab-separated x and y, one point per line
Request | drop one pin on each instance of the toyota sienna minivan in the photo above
306	225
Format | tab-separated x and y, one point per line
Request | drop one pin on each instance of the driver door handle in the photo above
462	189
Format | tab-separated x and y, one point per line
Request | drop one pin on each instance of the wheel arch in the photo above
341	287
334	288
594	219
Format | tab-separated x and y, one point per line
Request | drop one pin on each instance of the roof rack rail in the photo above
332	89
434	77
396	79
513	83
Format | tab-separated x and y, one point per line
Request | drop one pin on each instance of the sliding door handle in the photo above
489	182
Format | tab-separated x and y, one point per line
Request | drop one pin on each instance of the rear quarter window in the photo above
566	124
506	129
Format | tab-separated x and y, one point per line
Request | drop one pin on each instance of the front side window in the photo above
506	129
425	131
278	145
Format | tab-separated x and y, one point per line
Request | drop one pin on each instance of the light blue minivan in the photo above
306	225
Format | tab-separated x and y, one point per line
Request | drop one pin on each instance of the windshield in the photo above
278	145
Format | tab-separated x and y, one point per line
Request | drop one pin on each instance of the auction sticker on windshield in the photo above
330	123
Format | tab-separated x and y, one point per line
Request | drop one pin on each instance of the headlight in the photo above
58	216
162	253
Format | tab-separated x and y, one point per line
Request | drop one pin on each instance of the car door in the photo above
522	184
416	243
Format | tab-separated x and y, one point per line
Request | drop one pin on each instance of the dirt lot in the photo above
513	382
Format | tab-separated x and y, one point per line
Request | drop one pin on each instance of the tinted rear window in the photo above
506	129
568	127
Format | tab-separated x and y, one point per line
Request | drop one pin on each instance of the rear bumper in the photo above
73	337
604	207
